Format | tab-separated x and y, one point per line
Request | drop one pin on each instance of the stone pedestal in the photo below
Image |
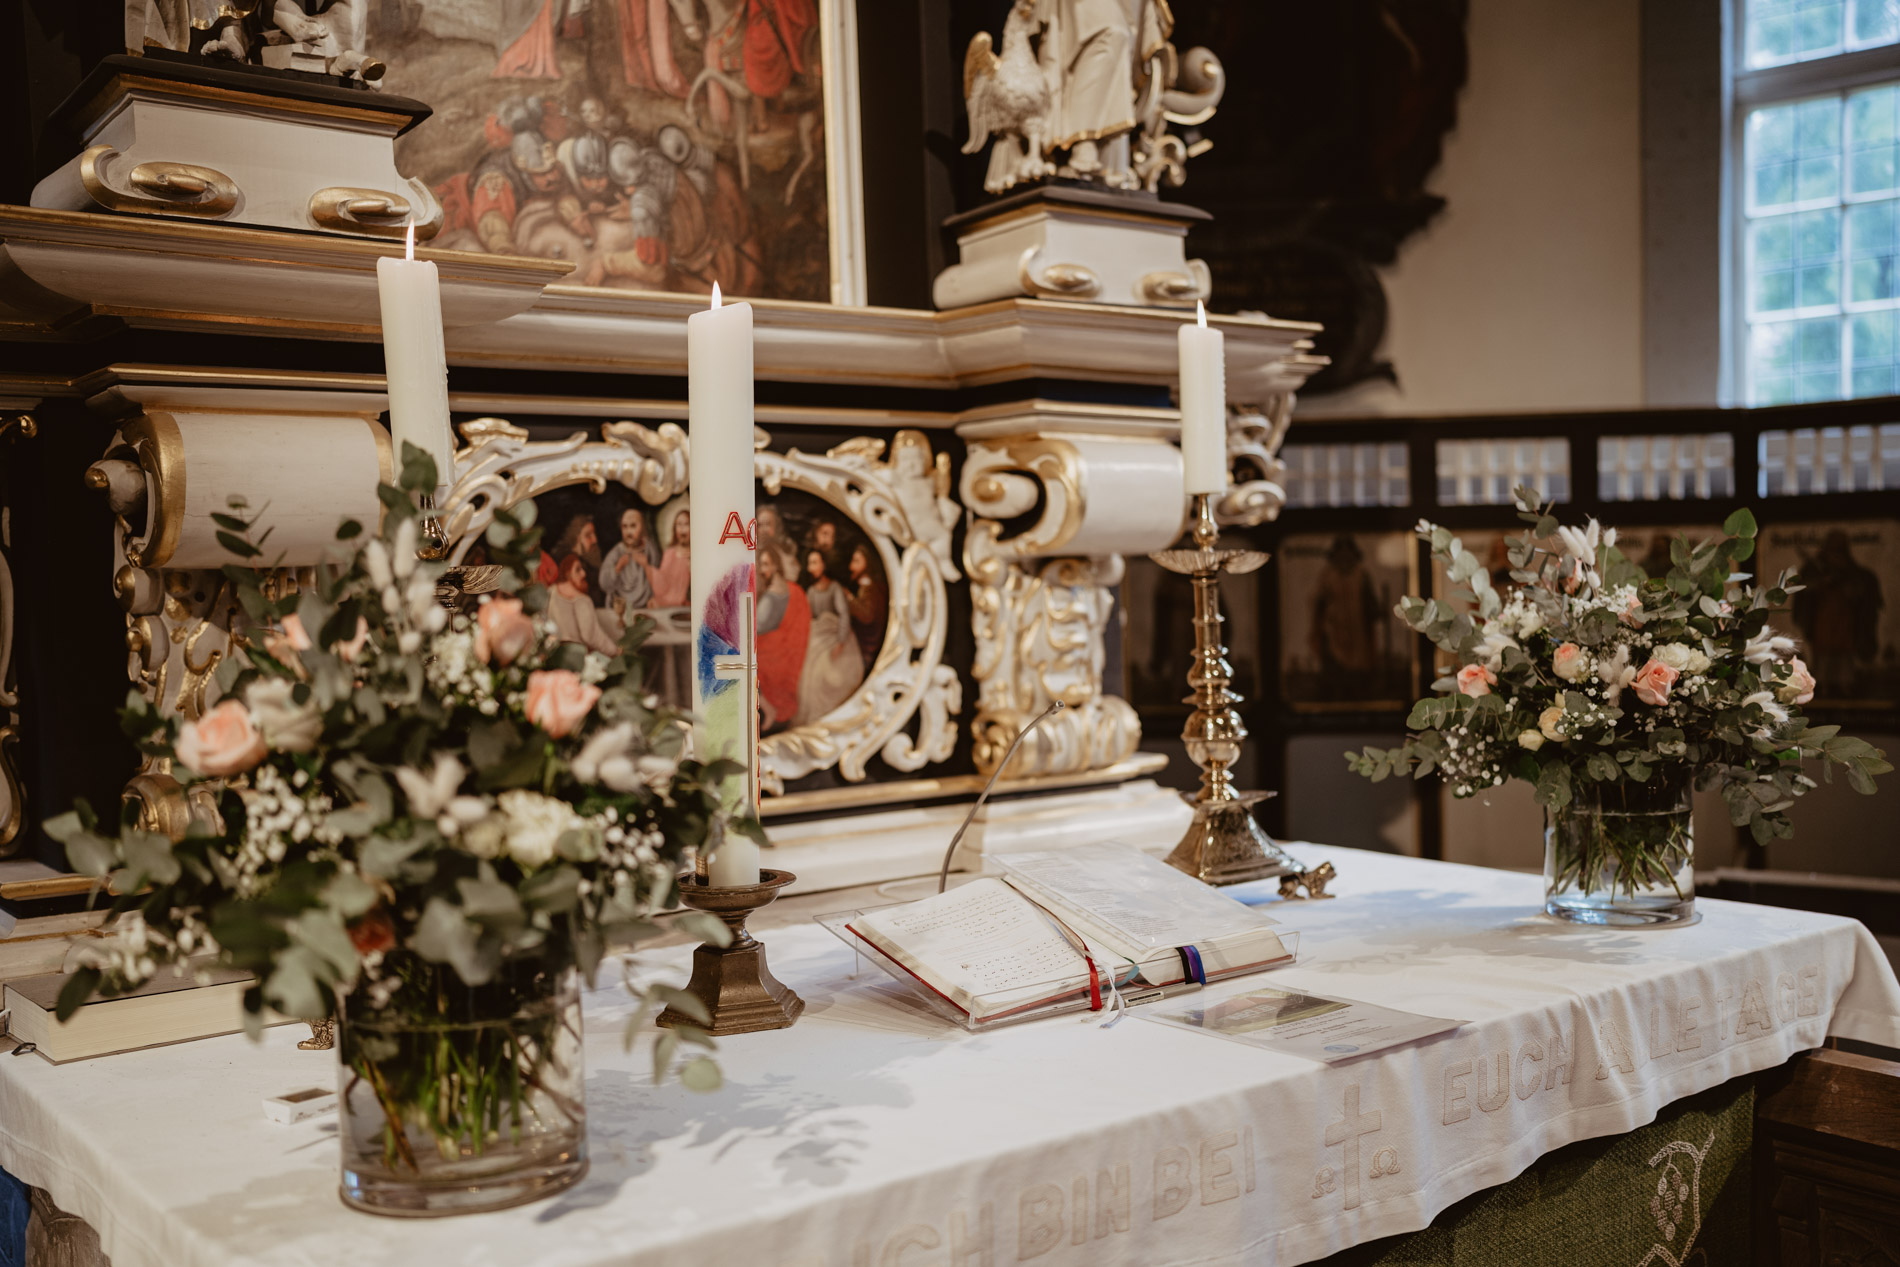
193	138
1058	242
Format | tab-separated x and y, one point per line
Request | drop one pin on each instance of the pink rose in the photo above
558	700
502	631
1633	613
1798	687
1567	662
294	634
221	742
1653	681
1475	680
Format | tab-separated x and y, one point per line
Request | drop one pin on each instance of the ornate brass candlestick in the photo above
739	991
1224	845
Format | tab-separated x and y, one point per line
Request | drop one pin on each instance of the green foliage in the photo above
409	834
1552	659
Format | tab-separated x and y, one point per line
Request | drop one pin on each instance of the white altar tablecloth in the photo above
875	1135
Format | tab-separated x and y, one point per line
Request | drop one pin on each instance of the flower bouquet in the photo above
1615	693
425	826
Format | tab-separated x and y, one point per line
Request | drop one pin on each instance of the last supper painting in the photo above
656	144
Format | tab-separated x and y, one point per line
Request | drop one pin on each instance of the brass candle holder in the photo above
739	991
1223	845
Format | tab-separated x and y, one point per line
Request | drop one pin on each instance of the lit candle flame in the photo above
715	302
409	242
1200	313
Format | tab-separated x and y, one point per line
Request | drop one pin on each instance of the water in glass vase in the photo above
1622	856
460	1112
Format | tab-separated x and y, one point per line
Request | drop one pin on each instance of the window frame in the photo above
1746	90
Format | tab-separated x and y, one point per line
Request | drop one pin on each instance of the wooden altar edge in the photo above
511	311
172	273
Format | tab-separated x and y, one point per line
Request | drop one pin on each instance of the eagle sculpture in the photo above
1009	98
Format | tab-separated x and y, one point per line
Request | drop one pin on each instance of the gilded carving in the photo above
903	506
500	467
1255	495
12	792
1040	618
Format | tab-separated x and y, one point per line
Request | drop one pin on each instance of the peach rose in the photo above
1632	614
222	742
1798	688
558	700
1567	662
502	631
1653	681
1475	680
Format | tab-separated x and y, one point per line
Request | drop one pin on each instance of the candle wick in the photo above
1200	313
715	302
409	242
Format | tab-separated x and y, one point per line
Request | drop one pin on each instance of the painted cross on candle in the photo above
743	668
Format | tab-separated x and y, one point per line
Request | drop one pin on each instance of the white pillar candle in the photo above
1203	406
415	361
719	432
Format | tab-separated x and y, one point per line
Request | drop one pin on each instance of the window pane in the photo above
1794	153
1872	141
1873	22
1874	349
1794	30
1797	261
1871	271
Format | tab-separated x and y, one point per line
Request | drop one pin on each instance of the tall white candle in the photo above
1203	406
414	359
719	427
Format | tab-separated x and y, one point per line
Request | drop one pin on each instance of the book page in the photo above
983	945
1137	904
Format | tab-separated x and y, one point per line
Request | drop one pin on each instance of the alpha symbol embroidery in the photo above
737	529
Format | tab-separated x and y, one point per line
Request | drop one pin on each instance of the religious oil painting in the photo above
823	604
1845	618
1341	645
657	144
608	558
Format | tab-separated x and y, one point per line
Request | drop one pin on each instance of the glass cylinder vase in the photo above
1622	855
477	1104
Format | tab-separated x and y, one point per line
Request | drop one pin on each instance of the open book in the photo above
1061	926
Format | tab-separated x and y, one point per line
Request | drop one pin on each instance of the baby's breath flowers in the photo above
1588	678
398	804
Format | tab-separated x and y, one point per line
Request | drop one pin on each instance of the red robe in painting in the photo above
775	33
646	48
782	657
532	56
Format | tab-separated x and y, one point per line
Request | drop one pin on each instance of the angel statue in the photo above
1111	83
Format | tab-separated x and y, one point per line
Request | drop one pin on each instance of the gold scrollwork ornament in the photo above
156	187
904	508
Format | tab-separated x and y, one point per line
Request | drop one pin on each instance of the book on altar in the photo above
1061	927
166	1009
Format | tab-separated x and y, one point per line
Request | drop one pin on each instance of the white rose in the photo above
1681	658
535	824
1531	740
286	725
1530	622
484	838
